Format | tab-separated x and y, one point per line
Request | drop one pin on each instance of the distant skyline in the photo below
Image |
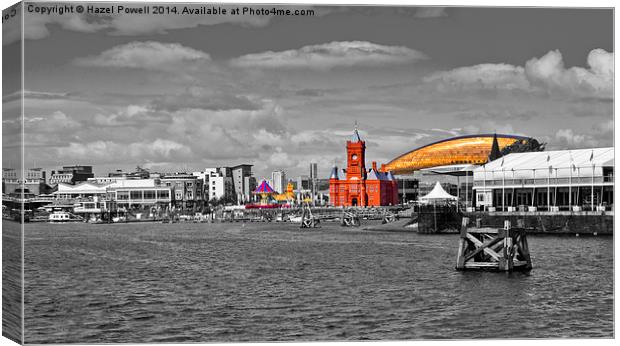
175	92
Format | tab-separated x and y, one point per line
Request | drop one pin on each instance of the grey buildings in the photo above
71	174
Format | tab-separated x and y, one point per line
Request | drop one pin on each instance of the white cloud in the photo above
546	73
605	127
281	159
145	55
568	139
52	123
104	151
549	72
334	54
502	76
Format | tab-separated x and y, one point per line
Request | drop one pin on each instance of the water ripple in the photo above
260	282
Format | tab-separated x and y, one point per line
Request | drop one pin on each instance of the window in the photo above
163	194
122	195
149	194
136	194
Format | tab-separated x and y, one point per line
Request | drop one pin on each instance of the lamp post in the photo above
533	186
458	192
466	192
570	187
592	190
503	190
555	193
549	189
512	199
484	181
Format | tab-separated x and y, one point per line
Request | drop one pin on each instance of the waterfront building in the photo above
580	179
126	193
249	185
303	184
142	193
408	189
313	178
234	183
81	190
218	184
10	174
239	174
359	187
139	173
104	180
278	180
71	175
32	182
462	150
188	189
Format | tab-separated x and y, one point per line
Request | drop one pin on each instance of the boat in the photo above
63	216
295	218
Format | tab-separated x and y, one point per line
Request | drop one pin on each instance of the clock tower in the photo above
356	157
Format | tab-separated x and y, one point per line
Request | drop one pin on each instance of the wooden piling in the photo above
307	219
350	219
493	249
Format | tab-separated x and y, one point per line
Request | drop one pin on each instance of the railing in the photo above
544	181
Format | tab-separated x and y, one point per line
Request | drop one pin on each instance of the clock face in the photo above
354	157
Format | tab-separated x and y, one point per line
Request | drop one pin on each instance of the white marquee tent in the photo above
437	194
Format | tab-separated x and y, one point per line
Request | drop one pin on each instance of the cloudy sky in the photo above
189	92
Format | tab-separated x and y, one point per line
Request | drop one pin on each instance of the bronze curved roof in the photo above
470	149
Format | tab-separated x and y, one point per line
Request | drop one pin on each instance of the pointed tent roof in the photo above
264	188
438	193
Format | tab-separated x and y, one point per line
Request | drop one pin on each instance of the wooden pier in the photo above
493	249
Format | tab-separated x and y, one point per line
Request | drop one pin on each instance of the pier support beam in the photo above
493	249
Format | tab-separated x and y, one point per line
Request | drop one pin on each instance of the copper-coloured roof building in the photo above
471	149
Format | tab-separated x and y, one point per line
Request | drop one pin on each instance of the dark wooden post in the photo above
460	258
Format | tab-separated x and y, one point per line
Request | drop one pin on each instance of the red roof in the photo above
264	188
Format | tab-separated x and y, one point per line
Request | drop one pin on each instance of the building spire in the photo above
495	152
356	134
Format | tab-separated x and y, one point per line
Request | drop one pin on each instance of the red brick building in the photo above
361	187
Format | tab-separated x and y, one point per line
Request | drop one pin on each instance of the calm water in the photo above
258	282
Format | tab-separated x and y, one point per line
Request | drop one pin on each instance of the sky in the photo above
186	92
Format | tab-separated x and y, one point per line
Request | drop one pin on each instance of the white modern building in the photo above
126	193
218	184
240	173
278	179
575	180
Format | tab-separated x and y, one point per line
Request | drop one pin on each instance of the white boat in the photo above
295	219
63	216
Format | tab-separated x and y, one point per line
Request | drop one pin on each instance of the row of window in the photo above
142	194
